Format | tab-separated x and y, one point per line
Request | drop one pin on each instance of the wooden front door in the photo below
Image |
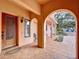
8	30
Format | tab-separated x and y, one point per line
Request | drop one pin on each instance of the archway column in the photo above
40	29
41	41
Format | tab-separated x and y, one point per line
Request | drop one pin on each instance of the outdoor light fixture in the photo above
22	19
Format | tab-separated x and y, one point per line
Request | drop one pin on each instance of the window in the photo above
26	28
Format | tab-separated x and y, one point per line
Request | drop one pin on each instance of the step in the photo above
11	50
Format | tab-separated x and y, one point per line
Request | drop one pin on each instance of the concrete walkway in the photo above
54	50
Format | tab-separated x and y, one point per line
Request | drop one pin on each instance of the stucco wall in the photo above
47	8
33	29
10	8
53	5
22	40
60	4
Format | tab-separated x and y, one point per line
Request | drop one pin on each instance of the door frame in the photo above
16	26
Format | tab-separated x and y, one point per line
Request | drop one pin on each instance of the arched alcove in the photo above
34	35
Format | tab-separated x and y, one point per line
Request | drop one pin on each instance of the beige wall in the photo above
10	8
33	29
22	40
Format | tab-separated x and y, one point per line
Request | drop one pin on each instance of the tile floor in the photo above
54	50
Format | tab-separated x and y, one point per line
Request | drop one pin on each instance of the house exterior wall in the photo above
33	29
71	5
48	8
12	9
49	23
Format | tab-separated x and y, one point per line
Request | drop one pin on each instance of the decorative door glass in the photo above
10	27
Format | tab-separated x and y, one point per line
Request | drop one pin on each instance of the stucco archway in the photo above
51	14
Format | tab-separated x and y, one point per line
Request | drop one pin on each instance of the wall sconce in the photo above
22	19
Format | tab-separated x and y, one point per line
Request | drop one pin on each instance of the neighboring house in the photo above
51	25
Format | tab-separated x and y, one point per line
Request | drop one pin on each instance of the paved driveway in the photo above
67	47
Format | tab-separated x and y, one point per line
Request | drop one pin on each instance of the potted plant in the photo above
60	34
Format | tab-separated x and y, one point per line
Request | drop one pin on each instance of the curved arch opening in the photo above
60	31
34	35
